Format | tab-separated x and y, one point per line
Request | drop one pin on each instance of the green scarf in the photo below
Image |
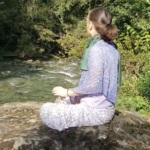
91	41
119	73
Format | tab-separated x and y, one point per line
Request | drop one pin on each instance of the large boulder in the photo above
22	129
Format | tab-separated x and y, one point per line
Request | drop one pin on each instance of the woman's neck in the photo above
93	33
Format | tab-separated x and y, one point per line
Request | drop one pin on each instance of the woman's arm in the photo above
92	79
60	91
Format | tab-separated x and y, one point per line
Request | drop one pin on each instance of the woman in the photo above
93	101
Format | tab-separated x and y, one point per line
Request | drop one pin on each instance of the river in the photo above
34	81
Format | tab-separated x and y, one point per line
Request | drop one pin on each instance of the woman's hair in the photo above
102	19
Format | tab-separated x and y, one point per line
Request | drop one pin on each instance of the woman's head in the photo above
99	20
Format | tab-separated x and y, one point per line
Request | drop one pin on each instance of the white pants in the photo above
62	116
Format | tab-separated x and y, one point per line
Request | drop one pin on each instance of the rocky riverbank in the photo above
22	129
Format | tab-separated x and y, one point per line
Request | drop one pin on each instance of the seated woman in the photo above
92	101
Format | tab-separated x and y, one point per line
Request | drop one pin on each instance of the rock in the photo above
32	68
30	61
37	62
5	72
22	129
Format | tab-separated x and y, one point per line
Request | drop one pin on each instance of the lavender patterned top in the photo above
101	77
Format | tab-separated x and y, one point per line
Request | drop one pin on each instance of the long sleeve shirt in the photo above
100	79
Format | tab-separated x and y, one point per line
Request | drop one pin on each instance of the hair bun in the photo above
102	19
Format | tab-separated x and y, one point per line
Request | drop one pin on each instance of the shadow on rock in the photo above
86	138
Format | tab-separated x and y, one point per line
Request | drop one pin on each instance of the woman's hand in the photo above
59	91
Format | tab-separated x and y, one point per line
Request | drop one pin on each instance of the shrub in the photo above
73	43
133	40
143	85
135	64
133	103
128	85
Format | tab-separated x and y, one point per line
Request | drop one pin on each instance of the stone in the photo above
5	72
37	62
29	61
22	129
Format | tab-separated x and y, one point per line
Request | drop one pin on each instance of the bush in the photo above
135	64
143	85
128	85
73	43
133	103
133	40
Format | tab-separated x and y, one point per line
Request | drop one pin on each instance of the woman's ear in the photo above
90	25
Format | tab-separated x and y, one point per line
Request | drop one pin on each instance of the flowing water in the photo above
30	81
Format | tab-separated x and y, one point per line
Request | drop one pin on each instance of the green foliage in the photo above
26	26
135	64
143	85
134	93
35	23
133	103
24	44
132	12
134	41
72	11
73	42
71	45
31	25
128	86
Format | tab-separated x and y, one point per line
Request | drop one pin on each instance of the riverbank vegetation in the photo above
31	28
